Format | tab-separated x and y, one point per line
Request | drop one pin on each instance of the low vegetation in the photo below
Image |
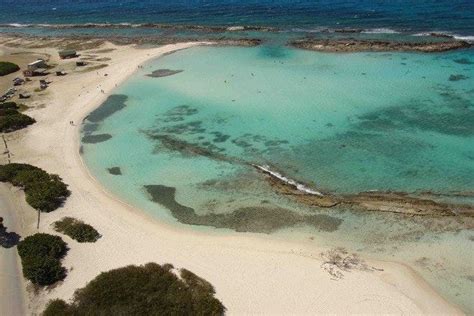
41	256
77	230
45	192
7	68
11	119
8	106
150	289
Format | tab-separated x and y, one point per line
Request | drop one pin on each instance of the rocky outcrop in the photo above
393	202
356	45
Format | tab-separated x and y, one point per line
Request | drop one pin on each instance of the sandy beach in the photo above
252	273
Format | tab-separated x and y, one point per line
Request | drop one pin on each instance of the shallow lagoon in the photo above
338	122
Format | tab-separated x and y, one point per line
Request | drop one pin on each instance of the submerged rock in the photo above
98	138
113	104
463	61
258	219
116	171
458	77
163	73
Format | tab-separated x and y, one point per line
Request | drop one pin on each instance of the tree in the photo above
150	289
41	258
7	68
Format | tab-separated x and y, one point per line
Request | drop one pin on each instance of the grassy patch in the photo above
41	256
45	192
150	289
77	230
7	68
11	119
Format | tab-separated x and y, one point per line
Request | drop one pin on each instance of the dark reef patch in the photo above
220	137
178	113
248	219
463	61
337	149
93	139
163	73
273	51
275	143
458	77
257	143
88	128
185	148
455	117
113	104
116	171
193	127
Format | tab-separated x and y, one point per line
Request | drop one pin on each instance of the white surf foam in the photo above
381	30
299	186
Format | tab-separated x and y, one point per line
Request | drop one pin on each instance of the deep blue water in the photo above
455	16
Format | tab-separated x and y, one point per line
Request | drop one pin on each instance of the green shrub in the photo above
57	307
7	68
77	230
42	245
44	192
12	120
43	270
150	289
10	111
41	258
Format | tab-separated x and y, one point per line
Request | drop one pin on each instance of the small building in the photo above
80	63
36	72
40	63
60	73
67	53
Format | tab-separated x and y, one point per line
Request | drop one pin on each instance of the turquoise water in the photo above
341	123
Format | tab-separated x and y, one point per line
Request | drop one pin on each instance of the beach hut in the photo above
67	53
80	63
40	63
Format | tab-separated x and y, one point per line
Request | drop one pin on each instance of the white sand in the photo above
252	273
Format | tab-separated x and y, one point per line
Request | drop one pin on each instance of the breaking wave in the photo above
234	28
299	186
381	31
467	38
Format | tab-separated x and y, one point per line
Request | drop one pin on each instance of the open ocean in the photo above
340	123
413	17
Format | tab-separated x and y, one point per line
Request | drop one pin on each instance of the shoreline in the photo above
233	263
